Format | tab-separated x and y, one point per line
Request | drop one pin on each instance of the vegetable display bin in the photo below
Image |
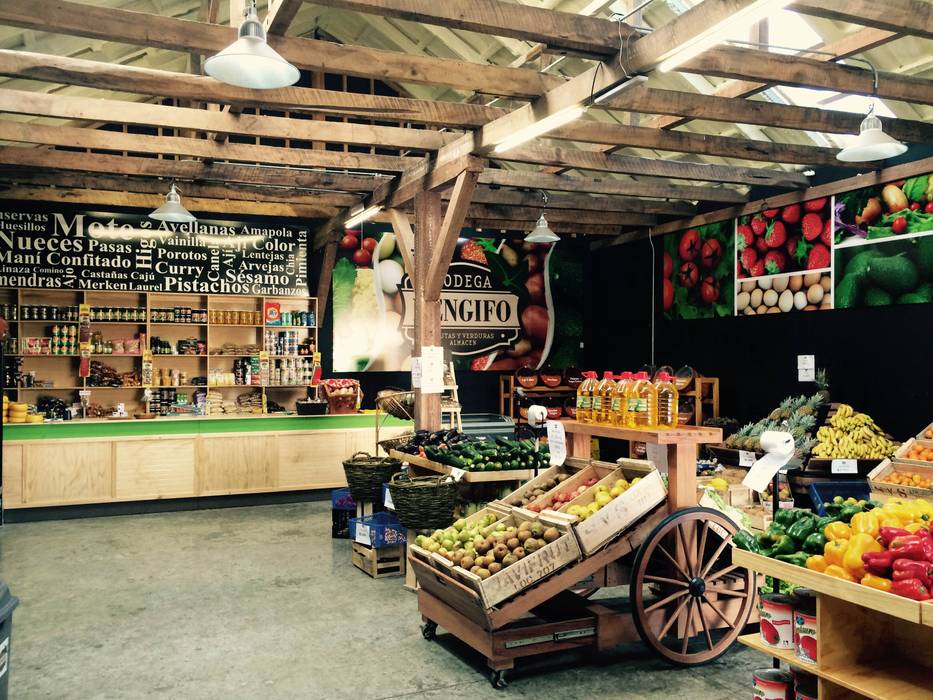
821	493
488	425
8	603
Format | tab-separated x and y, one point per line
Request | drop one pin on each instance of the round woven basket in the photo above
397	403
366	475
390	444
423	502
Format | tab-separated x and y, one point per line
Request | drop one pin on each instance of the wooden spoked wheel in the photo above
689	601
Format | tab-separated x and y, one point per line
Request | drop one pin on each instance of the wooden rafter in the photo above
405	237
532	198
913	17
323	282
443	249
280	15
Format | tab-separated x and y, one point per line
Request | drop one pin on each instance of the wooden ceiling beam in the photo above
185	169
533	199
121	112
562	32
571	228
529	215
913	17
100	139
280	15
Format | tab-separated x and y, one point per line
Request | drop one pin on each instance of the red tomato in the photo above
711	253
689	274
535	286
349	242
668	294
928	209
899	225
709	290
369	243
668	265
690	244
362	257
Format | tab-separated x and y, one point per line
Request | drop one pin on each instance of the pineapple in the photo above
822	383
782	411
810	407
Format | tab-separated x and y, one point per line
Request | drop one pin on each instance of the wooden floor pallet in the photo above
379	563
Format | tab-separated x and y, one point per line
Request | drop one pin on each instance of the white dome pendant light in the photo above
172	210
542	233
871	143
250	62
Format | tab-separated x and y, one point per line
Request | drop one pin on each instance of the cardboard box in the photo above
612	519
896	490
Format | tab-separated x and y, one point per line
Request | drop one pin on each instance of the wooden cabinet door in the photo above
68	472
12	476
313	460
157	468
230	464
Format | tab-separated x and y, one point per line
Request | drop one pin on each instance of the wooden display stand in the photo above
552	615
870	643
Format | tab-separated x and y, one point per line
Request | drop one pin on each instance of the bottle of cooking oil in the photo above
667	401
619	404
646	403
585	397
602	400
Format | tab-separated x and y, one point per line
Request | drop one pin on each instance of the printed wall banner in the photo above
697	272
504	304
69	248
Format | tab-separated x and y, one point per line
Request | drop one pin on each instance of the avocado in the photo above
925	256
847	291
897	274
859	262
876	296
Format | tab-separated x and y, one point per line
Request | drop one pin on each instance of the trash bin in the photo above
8	603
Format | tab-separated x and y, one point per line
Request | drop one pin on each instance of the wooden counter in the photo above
80	462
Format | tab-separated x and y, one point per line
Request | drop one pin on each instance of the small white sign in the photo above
746	458
557	442
806	374
457	473
388	503
432	369
84	393
416	373
806	361
363	535
844	466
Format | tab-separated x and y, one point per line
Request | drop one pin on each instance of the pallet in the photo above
379	563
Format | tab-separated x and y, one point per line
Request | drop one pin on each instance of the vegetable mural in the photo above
500	301
697	272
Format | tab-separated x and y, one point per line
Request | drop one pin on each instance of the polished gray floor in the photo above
260	602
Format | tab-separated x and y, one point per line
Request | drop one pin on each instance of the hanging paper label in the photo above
456	473
557	442
416	373
432	369
746	458
363	535
844	466
388	502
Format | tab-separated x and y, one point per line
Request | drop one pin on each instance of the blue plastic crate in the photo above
826	491
340	499
382	530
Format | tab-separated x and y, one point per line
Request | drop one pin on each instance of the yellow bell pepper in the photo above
860	543
835	551
879	582
866	522
889	521
900	510
837	531
816	563
838	572
912	528
925	508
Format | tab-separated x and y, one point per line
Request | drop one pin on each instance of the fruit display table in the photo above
688	601
870	643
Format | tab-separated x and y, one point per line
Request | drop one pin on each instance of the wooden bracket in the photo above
405	239
450	231
323	281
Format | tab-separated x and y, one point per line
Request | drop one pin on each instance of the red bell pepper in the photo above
887	534
908	568
926	542
878	563
908	547
912	588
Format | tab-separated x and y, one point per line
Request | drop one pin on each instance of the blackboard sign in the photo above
115	252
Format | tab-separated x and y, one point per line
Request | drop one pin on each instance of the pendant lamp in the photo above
542	233
250	62
172	210
871	143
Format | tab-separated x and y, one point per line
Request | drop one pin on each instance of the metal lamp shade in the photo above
250	62
542	233
172	210
871	144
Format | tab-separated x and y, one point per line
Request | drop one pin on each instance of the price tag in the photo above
84	393
363	536
557	442
844	466
746	458
416	373
388	502
456	473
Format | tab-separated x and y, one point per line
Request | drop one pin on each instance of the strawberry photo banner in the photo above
869	247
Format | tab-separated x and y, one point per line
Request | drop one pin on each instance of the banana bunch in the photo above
852	435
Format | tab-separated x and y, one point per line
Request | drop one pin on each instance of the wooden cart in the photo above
688	601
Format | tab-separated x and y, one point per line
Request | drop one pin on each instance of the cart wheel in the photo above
497	678
429	631
687	564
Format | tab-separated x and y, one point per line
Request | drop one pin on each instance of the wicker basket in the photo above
390	444
423	502
397	403
342	403
366	475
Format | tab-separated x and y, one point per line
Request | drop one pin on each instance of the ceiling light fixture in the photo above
172	210
250	62
542	233
361	215
735	23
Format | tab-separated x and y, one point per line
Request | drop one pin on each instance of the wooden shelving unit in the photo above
64	374
870	644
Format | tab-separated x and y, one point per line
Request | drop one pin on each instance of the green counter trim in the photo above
189	426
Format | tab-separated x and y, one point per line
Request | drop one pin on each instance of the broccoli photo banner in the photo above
504	304
869	247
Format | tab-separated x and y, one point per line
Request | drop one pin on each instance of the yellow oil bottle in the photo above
666	400
602	400
585	397
645	404
619	404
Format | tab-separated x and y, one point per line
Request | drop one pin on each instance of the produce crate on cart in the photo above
884	487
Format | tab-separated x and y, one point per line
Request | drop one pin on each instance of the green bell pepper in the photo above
848	511
797	558
788	516
745	540
824	521
814	543
782	544
832	509
768	537
802	528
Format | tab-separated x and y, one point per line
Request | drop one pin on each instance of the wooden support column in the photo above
323	283
449	233
427	313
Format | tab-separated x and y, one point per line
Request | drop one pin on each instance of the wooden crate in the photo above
378	563
526	572
896	490
571	466
922	435
901	454
612	519
468	477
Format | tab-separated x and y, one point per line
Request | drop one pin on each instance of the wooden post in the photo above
427	313
323	284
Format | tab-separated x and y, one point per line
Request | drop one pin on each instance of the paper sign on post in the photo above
416	373
557	442
432	369
844	466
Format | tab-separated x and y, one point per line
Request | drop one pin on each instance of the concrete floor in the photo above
260	602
